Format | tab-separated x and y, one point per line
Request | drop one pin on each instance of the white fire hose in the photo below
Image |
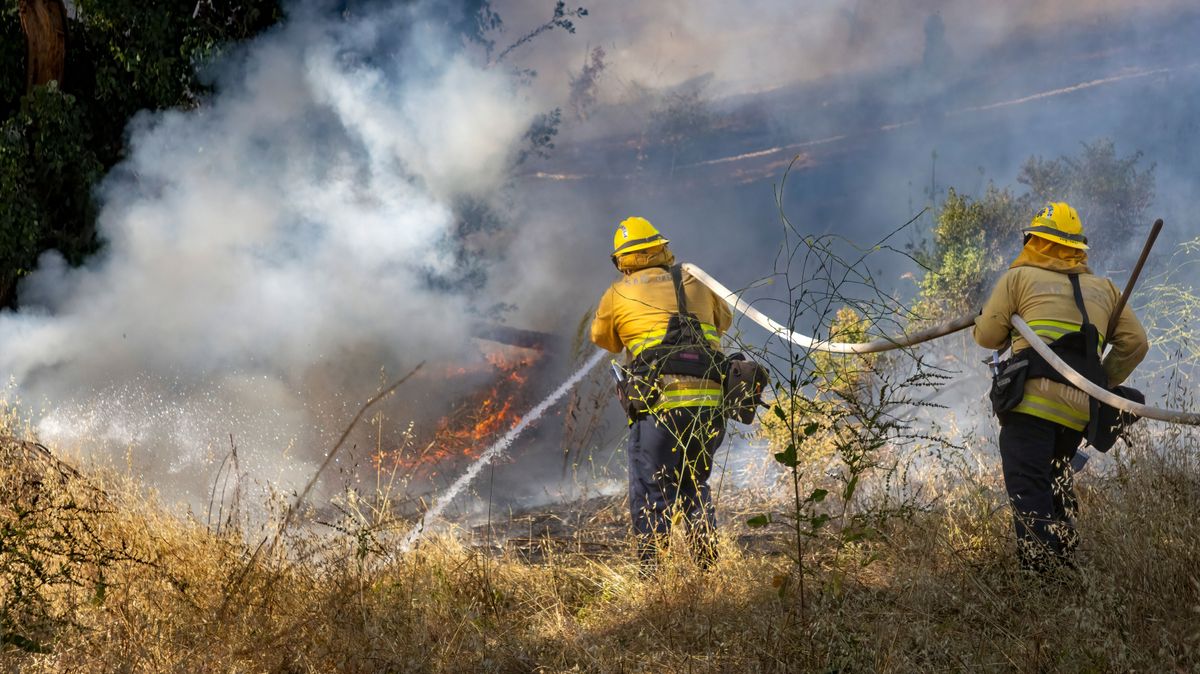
781	331
901	341
1106	397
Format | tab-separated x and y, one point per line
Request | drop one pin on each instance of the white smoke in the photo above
758	45
268	252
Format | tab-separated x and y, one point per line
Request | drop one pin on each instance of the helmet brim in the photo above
640	245
1056	239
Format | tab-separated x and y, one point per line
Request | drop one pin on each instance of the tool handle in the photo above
1137	271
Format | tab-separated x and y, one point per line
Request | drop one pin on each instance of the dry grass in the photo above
100	578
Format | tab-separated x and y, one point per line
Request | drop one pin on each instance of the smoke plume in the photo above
267	254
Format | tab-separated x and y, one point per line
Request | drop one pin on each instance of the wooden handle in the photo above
1137	271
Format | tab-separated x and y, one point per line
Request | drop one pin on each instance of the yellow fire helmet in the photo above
635	234
1058	222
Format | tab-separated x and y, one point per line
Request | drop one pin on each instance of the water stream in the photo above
496	449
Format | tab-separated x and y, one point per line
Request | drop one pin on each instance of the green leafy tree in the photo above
974	239
47	168
57	140
124	56
12	60
1111	194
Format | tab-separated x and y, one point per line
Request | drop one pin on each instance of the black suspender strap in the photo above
1079	299
677	280
1093	369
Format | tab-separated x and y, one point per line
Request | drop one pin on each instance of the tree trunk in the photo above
8	292
45	26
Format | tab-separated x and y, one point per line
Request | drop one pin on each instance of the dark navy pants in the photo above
1036	458
670	459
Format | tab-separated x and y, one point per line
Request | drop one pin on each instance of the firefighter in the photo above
1043	420
674	435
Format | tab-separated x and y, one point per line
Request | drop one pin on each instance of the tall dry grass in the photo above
97	577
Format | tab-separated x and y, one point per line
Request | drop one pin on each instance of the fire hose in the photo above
875	346
1106	397
911	339
803	341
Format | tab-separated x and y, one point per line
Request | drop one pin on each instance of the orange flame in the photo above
475	420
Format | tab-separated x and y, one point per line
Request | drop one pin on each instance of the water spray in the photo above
495	450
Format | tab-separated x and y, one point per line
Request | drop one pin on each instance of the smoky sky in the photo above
760	45
883	107
268	256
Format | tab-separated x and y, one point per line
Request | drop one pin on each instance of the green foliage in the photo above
833	432
972	240
810	428
125	56
1109	192
18	231
57	141
62	167
151	52
799	429
833	426
12	60
47	169
841	374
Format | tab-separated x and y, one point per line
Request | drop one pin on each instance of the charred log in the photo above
528	339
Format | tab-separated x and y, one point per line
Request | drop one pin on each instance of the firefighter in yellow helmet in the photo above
671	387
1042	418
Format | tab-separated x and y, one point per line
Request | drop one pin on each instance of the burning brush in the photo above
485	412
